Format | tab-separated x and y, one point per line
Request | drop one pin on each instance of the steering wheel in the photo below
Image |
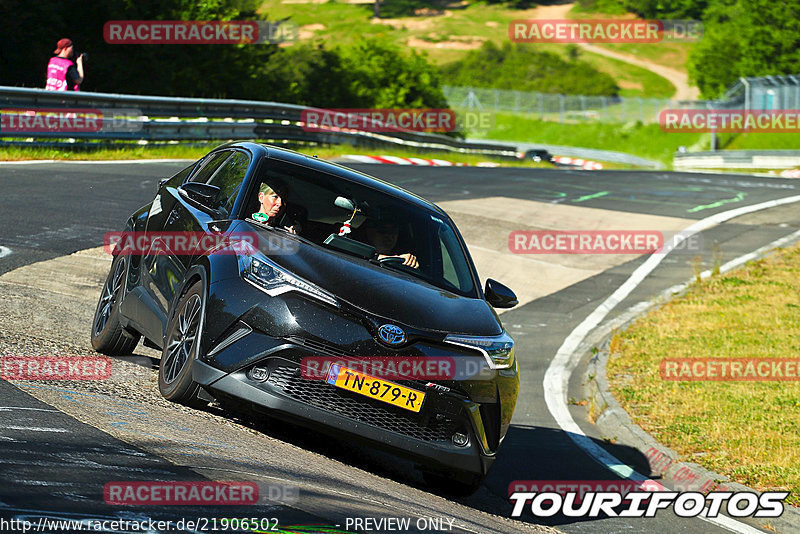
394	259
396	262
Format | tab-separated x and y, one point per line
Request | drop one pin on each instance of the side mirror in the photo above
161	183
205	196
498	295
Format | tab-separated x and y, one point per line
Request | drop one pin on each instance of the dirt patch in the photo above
307	31
627	84
558	11
456	42
413	23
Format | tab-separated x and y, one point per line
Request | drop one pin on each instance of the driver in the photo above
270	202
383	236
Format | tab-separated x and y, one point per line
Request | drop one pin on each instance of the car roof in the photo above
290	156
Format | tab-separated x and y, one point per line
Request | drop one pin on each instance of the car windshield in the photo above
315	205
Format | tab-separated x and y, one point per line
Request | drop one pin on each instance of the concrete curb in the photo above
615	421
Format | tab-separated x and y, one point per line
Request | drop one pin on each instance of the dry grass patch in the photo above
749	431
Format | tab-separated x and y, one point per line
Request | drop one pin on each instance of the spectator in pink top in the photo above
64	74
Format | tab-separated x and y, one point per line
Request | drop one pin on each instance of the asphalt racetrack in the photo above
60	443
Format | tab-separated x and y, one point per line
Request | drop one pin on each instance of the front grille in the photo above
328	397
318	346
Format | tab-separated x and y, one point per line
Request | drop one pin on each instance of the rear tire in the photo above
108	335
181	348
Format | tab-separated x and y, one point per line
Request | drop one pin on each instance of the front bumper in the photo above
277	333
430	445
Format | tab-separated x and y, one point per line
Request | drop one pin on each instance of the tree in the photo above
668	9
187	70
746	38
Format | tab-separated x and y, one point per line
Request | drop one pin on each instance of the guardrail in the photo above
156	118
738	159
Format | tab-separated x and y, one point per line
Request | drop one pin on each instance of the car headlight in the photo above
273	280
498	350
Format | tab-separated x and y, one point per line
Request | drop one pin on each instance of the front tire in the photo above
108	335
181	347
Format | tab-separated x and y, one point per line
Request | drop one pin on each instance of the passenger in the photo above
383	236
271	205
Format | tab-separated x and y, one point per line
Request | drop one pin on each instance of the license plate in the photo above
375	388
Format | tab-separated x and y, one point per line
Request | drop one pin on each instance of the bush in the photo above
667	9
370	74
522	68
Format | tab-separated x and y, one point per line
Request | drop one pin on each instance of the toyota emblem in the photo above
392	335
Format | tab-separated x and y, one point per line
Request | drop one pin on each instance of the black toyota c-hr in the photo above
278	279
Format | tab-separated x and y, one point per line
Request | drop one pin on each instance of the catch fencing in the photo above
754	93
565	108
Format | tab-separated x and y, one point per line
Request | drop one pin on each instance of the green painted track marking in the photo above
738	198
593	195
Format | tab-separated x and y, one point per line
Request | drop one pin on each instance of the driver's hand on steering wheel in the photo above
408	259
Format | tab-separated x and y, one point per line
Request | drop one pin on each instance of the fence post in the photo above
746	93
583	107
561	99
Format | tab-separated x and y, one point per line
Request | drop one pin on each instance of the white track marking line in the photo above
7	408
4	251
33	428
556	378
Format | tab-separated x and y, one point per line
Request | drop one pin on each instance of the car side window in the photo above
210	167
455	273
229	179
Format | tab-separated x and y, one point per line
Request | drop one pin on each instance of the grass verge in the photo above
748	431
763	141
81	153
644	140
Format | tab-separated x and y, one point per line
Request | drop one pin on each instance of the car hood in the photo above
383	292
